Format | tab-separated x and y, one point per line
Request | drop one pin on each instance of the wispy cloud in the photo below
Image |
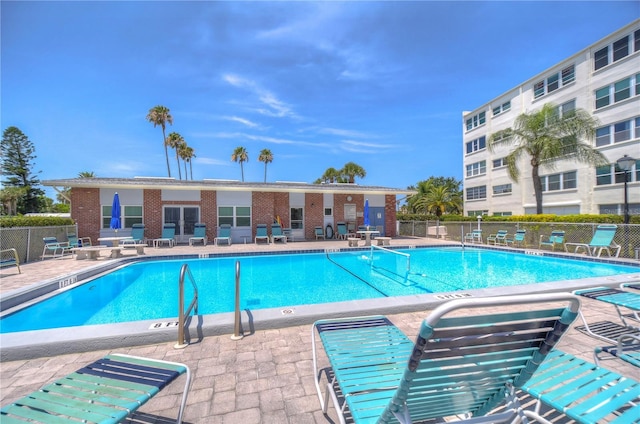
242	121
272	106
211	161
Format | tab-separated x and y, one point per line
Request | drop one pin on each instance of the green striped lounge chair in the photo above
468	358
105	391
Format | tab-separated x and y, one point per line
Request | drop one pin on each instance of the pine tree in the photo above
18	154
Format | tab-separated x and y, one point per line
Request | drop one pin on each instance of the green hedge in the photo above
34	221
600	219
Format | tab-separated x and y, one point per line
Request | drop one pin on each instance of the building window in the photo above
557	182
554	81
476	120
477	213
620	48
603	136
501	108
297	218
235	216
502	189
601	58
499	163
478	168
612	174
477	144
475	193
622	131
621	90
328	211
566	109
129	215
634	209
502	214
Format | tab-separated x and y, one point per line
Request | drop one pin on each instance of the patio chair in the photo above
467	359
54	248
627	349
343	234
137	236
319	233
556	238
261	233
277	234
607	330
517	239
105	391
602	241
582	391
75	241
168	236
224	234
498	238
474	236
199	234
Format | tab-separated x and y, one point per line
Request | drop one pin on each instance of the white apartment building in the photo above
603	79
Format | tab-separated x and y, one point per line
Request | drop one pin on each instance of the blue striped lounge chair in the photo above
167	237
556	238
224	234
582	391
627	306
105	391
376	374
498	238
602	241
261	233
277	234
54	248
627	349
199	234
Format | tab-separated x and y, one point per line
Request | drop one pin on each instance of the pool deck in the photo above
266	377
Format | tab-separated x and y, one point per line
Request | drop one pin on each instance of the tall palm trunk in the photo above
537	188
178	162
166	151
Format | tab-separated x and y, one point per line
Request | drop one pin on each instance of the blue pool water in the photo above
149	289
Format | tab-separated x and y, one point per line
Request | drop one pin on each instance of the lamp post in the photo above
626	163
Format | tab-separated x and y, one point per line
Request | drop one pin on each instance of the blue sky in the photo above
382	84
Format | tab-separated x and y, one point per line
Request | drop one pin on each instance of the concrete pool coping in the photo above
33	344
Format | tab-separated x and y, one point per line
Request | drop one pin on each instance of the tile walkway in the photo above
266	377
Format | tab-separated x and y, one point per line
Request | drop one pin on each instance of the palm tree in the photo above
437	195
186	154
548	137
240	155
267	157
160	115
352	170
176	141
87	174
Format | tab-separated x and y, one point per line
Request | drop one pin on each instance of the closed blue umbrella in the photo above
115	213
366	213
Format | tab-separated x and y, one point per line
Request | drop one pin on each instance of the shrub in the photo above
34	221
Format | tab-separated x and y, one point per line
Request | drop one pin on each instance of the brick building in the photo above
155	201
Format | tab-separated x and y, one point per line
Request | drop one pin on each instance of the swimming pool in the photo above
148	290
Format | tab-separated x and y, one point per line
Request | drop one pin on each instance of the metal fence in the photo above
28	240
627	236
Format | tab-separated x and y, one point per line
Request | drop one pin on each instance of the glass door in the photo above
184	218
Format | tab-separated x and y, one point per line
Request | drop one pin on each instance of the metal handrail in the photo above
237	331
185	271
384	249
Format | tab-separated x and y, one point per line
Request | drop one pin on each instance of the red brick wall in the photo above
209	212
314	214
281	208
262	210
152	213
86	211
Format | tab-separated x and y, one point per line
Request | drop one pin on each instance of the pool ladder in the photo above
185	272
